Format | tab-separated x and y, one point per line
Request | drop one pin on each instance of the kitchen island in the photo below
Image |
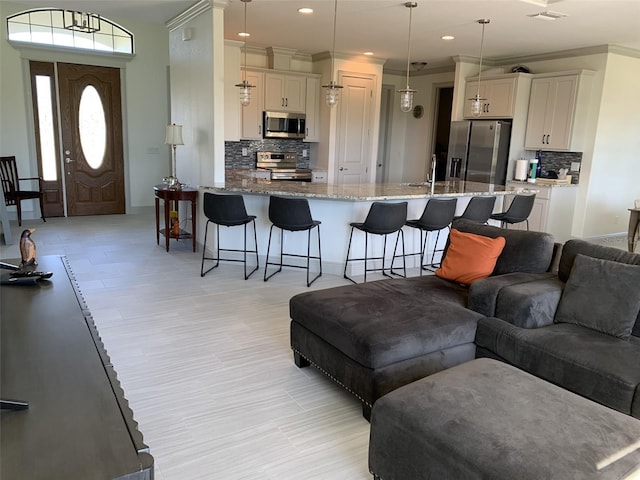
336	206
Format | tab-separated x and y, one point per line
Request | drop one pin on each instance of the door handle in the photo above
342	168
68	160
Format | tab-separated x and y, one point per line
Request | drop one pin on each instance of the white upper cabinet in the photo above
497	94
553	110
252	113
285	93
312	110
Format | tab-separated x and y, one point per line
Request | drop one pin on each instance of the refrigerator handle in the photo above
454	171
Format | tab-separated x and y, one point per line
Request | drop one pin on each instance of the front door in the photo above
91	125
354	130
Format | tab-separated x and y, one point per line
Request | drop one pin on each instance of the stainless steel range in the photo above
283	166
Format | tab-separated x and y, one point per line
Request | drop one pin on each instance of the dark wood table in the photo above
171	199
78	424
634	224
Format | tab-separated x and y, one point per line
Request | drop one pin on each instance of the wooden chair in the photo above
13	195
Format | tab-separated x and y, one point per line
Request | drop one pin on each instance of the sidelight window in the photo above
60	28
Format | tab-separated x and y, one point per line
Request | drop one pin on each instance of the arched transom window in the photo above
69	28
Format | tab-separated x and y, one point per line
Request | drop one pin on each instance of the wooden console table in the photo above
171	198
634	225
78	424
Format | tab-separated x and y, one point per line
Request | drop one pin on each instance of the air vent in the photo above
548	15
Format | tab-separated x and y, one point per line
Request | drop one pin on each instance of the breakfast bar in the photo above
336	206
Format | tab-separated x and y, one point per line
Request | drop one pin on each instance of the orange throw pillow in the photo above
470	257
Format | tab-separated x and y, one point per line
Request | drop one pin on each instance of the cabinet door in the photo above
540	107
562	114
274	85
500	94
252	113
312	109
295	93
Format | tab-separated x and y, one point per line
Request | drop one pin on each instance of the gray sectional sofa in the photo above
598	359
375	337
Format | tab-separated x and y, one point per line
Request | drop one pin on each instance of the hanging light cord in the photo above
244	71
483	22
333	47
410	5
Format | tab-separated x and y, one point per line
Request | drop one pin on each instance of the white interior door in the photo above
354	130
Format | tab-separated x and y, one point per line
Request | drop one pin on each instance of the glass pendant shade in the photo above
406	94
476	102
244	86
476	106
332	88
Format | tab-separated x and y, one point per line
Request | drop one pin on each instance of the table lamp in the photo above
173	137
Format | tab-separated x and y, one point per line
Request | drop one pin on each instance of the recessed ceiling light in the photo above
548	15
447	37
244	34
305	10
369	54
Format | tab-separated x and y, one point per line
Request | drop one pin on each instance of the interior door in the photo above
91	124
354	130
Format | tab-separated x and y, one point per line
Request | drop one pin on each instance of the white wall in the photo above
145	104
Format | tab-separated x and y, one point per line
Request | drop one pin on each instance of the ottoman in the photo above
488	420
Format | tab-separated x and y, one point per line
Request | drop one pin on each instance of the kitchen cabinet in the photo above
285	92
498	94
252	113
312	110
556	112
552	212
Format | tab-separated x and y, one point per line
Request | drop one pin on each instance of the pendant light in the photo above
332	88
476	102
245	87
406	94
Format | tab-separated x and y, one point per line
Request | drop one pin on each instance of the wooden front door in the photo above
91	125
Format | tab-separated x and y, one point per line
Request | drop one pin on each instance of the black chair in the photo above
13	194
518	211
437	215
292	215
229	211
382	219
479	209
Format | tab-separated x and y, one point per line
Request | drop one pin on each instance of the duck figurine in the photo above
28	248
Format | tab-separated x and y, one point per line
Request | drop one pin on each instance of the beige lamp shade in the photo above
174	135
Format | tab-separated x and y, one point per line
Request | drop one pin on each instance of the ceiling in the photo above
381	26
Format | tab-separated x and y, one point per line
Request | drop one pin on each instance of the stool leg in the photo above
346	262
366	246
266	263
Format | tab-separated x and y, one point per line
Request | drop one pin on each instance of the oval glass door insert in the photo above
92	127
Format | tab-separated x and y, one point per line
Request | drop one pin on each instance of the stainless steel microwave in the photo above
283	125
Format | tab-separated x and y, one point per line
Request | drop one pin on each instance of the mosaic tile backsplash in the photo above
554	161
233	151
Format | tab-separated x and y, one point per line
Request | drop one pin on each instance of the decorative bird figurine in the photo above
27	248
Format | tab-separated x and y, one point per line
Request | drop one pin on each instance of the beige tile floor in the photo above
205	362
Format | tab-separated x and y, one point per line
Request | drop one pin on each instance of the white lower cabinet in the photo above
552	212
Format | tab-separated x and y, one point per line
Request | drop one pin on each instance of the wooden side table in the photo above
634	224
171	198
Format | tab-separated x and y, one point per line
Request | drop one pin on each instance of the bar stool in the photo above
518	211
382	219
229	211
479	209
292	215
437	215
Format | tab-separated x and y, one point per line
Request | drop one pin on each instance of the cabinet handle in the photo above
306	132
259	129
286	102
282	102
486	108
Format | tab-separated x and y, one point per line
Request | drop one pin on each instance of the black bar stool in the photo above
479	209
292	215
229	211
382	219
518	211
437	215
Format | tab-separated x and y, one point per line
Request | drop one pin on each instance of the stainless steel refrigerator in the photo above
479	151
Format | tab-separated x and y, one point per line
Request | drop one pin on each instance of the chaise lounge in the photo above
375	337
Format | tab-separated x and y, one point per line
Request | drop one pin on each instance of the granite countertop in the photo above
517	183
244	181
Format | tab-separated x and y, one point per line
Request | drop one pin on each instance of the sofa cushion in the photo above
601	295
589	363
524	251
383	322
470	257
574	247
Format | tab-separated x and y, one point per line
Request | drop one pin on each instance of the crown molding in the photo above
193	11
361	58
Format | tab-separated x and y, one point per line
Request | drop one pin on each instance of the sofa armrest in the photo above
530	305
484	294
